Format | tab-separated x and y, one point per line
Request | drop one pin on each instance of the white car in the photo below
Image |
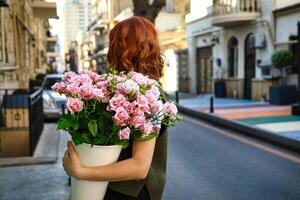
53	102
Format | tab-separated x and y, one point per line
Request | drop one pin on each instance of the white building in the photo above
77	15
234	40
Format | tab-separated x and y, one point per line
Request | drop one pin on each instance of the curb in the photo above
245	129
21	161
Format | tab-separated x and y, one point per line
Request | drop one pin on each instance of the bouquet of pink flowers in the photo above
113	108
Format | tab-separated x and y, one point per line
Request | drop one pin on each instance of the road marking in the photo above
246	140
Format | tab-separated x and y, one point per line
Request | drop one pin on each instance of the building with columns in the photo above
233	41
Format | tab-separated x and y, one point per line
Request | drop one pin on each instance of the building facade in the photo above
23	41
76	16
233	41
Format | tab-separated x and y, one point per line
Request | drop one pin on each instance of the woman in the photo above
141	169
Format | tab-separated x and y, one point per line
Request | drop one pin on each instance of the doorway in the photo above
250	58
204	70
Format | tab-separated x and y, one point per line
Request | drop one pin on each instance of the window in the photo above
295	49
232	57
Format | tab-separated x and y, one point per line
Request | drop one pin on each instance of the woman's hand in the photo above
71	162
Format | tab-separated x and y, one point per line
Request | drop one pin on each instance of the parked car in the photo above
53	102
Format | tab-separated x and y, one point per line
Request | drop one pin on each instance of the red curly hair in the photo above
133	46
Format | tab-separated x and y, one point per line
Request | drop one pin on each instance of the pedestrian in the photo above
141	170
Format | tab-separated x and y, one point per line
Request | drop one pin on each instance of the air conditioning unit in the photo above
4	3
260	40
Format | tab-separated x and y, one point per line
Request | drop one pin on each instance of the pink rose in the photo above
138	77
128	86
170	109
86	91
152	94
124	133
70	77
100	94
59	87
101	84
138	112
129	107
116	101
146	128
142	102
72	89
74	105
138	121
84	79
121	116
156	106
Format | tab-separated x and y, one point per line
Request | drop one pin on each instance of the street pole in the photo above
211	104
177	97
298	59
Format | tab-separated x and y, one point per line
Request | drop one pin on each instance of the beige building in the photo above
23	41
232	41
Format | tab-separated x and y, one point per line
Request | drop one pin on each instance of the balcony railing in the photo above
228	12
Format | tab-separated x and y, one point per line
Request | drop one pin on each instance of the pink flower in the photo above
138	121
70	77
116	101
124	133
72	89
129	107
128	86
170	109
152	94
101	84
59	87
138	112
101	94
138	77
142	102
84	79
74	105
86	91
156	106
146	128
121	116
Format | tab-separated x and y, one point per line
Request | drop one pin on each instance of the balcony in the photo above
234	12
42	9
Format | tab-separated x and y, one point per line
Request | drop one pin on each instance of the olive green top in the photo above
156	178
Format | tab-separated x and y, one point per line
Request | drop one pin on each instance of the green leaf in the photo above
66	121
100	140
87	138
105	122
75	125
77	138
148	137
93	127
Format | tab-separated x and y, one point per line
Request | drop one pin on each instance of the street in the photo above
203	163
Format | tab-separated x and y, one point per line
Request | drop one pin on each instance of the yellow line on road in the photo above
248	141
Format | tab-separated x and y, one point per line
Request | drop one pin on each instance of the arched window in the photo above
232	57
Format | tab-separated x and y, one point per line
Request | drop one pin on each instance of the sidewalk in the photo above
259	114
42	180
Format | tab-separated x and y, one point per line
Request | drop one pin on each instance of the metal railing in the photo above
223	7
20	109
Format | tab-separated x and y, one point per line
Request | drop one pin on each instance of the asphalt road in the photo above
205	163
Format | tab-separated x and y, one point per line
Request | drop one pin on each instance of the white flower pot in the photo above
90	157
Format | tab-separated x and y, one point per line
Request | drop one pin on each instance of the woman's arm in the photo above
134	168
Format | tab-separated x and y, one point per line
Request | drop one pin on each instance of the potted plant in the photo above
106	112
282	94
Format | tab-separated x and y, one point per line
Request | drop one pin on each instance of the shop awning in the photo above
42	9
